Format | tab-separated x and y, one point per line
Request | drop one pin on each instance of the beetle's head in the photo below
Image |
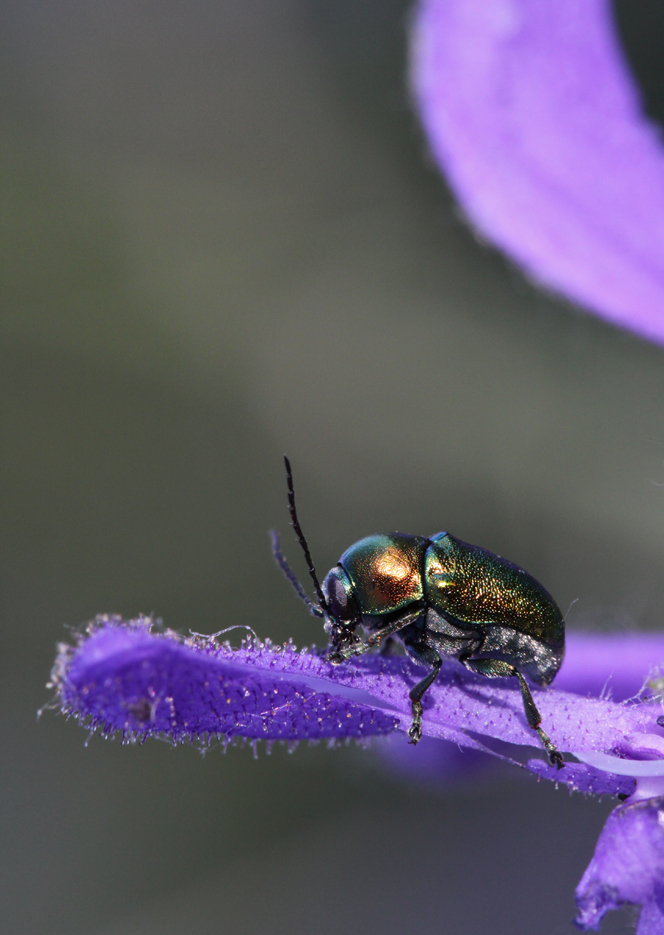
342	613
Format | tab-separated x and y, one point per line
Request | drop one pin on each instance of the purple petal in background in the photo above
534	118
616	665
627	867
436	762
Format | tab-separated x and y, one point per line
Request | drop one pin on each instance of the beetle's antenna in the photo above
281	561
303	542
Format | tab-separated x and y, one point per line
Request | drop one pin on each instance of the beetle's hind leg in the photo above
497	668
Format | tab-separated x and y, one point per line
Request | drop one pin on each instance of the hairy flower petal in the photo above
535	120
580	777
627	867
133	678
126	676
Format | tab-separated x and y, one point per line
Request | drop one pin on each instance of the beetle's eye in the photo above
339	593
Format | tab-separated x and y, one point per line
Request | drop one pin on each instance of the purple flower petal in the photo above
619	766
651	920
627	867
582	778
435	761
534	117
616	665
125	676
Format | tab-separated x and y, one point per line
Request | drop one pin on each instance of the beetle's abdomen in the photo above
386	571
479	588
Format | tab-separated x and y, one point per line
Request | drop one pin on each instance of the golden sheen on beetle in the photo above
440	598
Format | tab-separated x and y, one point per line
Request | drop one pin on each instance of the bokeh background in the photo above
221	238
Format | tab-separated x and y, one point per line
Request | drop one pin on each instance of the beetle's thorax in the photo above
385	572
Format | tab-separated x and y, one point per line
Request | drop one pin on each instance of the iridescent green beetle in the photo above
441	598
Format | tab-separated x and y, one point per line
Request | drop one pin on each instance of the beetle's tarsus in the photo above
338	654
555	757
415	730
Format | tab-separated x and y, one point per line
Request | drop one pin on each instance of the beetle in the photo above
441	598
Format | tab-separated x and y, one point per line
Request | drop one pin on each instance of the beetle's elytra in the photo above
441	598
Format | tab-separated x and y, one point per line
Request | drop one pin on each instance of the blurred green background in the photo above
221	239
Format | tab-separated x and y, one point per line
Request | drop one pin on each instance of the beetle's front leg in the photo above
342	646
340	653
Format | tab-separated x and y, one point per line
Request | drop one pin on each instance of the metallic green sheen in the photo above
386	571
480	589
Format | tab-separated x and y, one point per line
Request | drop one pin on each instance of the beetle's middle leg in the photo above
497	668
